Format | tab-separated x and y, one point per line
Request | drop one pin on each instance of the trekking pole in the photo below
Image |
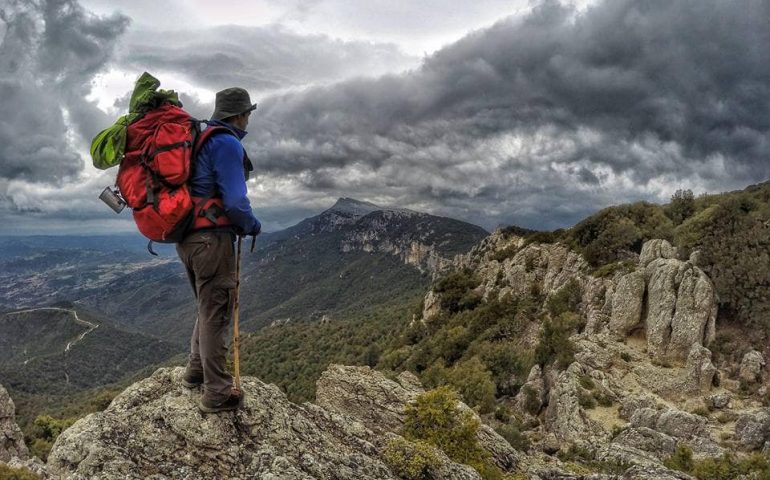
236	309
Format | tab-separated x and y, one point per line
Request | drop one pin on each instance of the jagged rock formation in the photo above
11	438
678	298
13	450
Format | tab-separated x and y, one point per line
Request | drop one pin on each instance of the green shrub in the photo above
610	269
566	299
586	400
681	459
44	432
512	434
625	356
503	414
555	346
726	467
456	291
587	382
505	360
410	460
8	473
451	343
505	253
604	237
544	237
394	359
682	206
474	382
435	418
603	400
732	239
531	400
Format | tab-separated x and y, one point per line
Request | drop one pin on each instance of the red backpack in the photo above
153	177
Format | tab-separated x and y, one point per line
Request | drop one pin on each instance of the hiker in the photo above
223	211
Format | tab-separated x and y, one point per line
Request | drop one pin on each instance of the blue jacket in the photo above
219	169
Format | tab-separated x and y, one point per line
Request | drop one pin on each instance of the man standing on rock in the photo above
223	210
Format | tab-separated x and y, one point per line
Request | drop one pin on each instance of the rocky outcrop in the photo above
366	395
13	451
657	428
154	429
627	302
700	370
431	306
751	366
655	249
676	298
11	439
564	416
752	429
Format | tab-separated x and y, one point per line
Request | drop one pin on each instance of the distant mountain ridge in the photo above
320	266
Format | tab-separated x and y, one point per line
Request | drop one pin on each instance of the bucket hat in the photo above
230	102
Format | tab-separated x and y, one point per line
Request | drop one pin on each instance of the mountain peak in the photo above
353	207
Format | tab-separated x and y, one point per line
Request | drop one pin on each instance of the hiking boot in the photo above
192	380
233	402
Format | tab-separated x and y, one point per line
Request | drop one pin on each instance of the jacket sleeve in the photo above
228	170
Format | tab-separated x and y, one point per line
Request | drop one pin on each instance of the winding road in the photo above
90	328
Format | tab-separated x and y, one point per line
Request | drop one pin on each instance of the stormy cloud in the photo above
48	55
624	100
539	119
261	59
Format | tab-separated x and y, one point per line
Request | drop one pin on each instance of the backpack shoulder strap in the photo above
209	132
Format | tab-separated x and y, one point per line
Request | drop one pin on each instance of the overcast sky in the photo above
495	112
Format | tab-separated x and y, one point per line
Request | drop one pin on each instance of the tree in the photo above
682	206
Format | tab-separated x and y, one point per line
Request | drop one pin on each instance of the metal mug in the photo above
112	199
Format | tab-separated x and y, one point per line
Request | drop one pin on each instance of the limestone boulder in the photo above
431	306
627	303
658	472
655	249
753	429
718	401
751	366
694	319
700	369
648	440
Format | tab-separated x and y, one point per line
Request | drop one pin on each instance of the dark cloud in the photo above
261	59
537	120
50	50
607	105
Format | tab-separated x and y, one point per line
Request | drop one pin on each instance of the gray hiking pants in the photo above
209	259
